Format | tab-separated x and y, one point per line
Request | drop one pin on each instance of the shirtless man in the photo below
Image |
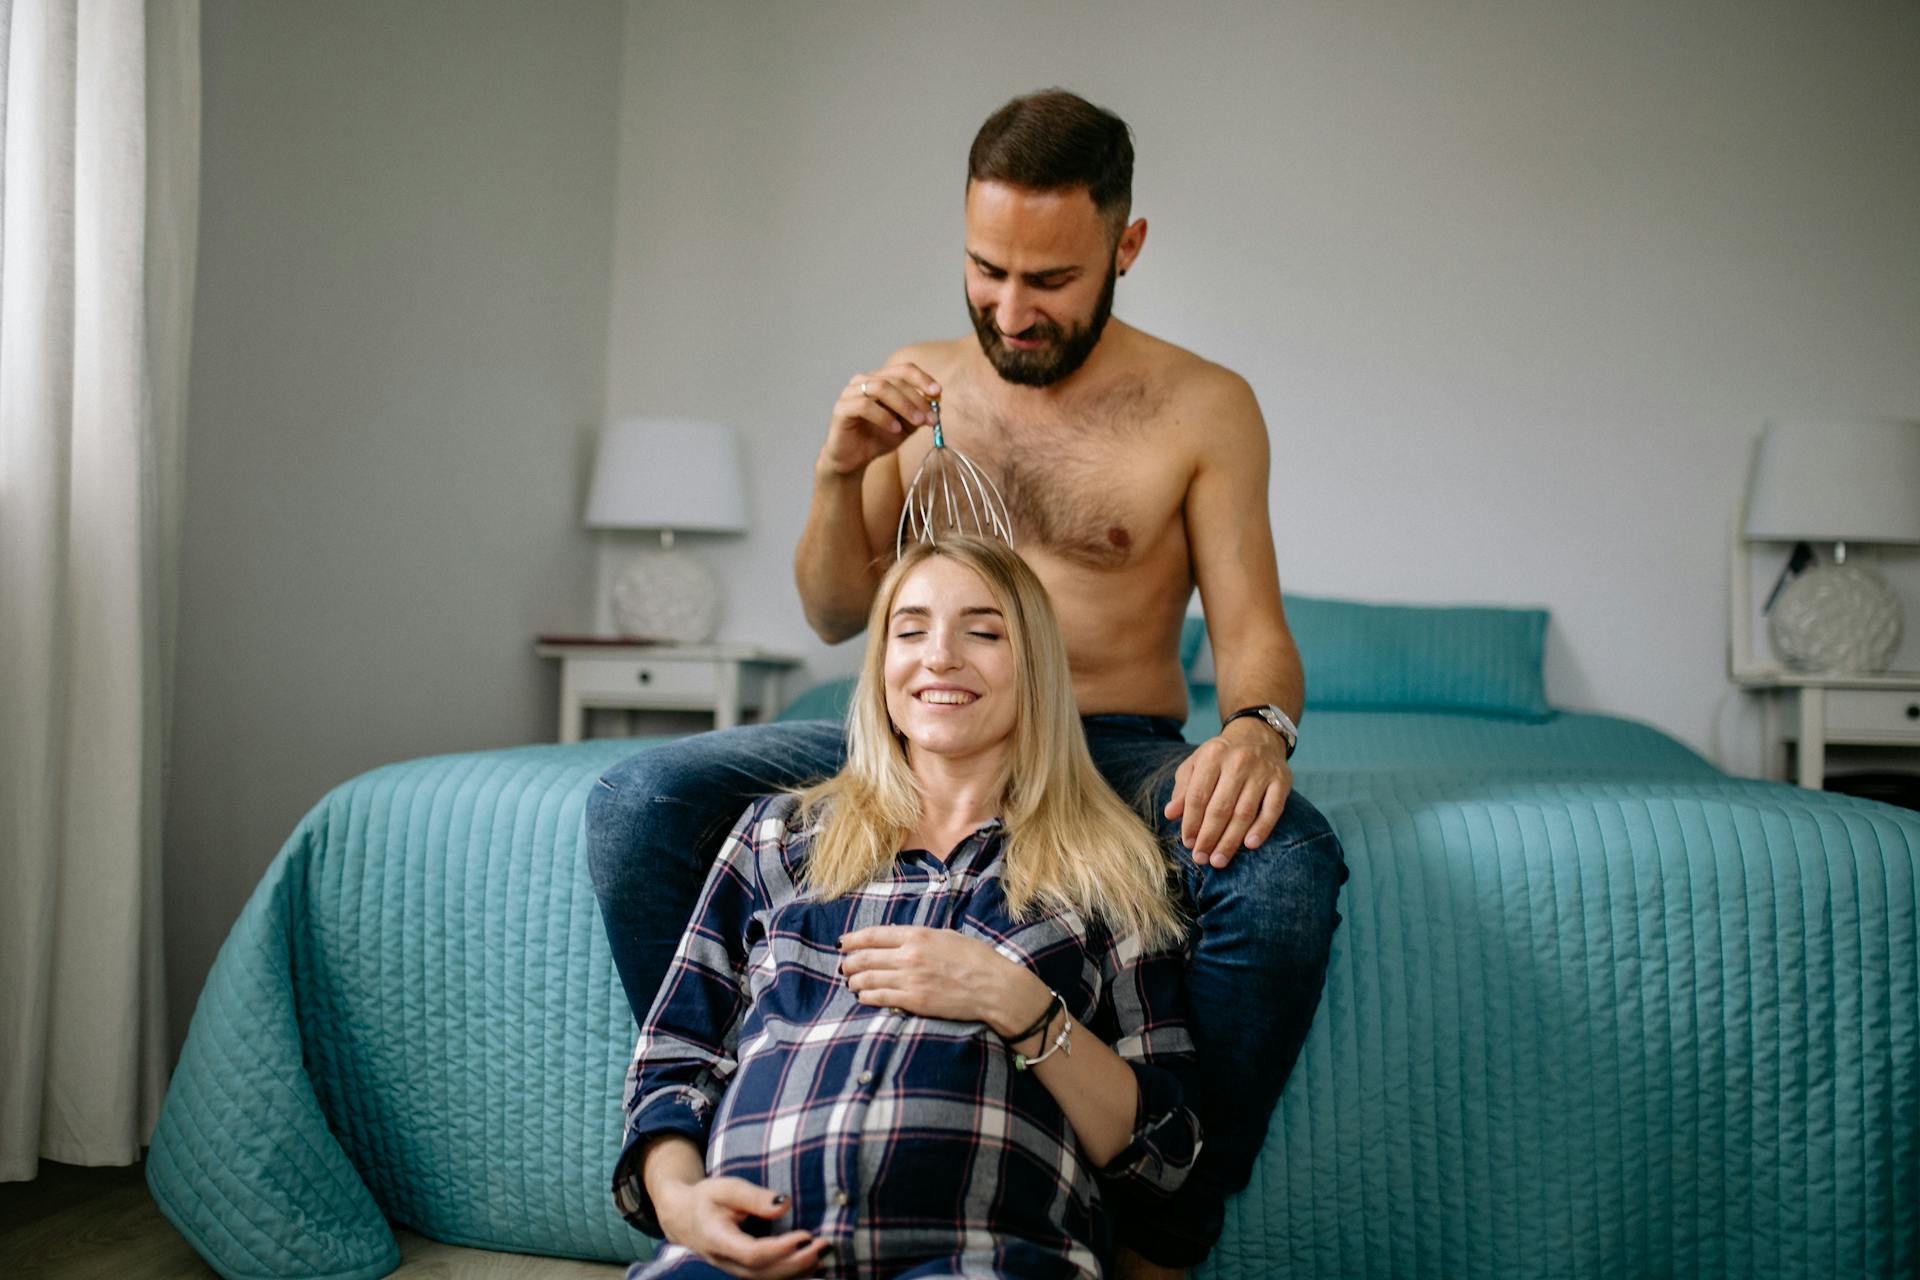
1133	471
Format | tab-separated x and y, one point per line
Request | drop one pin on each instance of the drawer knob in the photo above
1913	711
646	677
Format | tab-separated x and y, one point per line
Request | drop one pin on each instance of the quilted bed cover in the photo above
1595	1010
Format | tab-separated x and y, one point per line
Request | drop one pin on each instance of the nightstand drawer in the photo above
657	684
1873	715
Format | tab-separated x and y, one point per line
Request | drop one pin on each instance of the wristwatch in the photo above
1277	720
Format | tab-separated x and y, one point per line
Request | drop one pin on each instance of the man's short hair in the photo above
1053	140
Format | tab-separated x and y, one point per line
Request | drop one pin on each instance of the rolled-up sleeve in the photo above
1142	996
685	1053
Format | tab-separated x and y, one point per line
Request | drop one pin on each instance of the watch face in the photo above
1277	721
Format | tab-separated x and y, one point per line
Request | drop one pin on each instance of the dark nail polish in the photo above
780	1199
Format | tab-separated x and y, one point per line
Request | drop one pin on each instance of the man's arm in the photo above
848	537
1230	792
1230	538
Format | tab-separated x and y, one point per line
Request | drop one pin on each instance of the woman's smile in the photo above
947	696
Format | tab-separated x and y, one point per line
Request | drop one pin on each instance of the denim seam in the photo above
1300	843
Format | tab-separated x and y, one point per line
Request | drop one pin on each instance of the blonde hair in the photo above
1070	841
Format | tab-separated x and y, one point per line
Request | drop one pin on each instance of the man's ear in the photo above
1132	237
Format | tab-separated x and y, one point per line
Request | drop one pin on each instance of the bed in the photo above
1596	1008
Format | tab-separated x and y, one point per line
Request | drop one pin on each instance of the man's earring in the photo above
1123	271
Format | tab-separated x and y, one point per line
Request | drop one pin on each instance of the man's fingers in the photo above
909	372
1201	784
1221	806
1176	804
1272	804
904	403
875	414
1240	820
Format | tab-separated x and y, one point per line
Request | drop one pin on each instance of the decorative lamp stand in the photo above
665	474
1836	626
666	595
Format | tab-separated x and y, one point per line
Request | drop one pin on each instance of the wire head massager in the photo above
951	494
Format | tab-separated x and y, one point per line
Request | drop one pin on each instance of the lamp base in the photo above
667	595
1837	617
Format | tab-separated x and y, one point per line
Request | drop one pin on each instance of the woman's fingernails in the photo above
780	1199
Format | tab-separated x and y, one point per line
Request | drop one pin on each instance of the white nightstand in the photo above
1879	711
728	681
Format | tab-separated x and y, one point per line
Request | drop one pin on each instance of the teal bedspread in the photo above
1595	1010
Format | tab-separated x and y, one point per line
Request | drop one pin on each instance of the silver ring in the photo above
863	386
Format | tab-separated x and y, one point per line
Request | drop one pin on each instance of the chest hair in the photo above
1072	483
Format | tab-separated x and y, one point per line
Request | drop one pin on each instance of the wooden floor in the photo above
92	1224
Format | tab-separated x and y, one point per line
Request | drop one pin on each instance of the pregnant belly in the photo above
922	1132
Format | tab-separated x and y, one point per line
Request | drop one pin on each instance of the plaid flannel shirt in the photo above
900	1138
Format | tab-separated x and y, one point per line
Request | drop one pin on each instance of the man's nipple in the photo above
1119	537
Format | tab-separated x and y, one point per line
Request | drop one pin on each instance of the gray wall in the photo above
398	352
1515	282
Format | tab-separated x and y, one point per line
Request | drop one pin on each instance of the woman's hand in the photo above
705	1216
938	973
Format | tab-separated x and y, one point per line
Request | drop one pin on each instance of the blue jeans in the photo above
1265	922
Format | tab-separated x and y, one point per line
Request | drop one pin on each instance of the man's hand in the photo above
1229	793
938	973
705	1216
875	412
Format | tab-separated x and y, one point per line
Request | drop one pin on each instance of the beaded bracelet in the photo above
1021	1062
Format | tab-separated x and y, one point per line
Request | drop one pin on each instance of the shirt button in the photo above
866	1077
840	1198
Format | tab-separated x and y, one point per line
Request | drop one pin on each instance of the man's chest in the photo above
1100	489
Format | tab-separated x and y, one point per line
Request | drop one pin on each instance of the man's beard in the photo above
1066	349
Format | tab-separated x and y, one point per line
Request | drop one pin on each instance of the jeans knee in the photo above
1300	823
1276	905
619	817
640	775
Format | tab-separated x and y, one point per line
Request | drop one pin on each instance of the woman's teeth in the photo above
947	697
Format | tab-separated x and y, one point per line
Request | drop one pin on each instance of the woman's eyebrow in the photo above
921	611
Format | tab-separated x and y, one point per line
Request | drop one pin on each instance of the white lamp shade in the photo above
667	473
1838	481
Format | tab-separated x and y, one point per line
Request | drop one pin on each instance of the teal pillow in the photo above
1372	657
827	701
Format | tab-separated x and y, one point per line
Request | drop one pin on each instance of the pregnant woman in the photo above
922	1021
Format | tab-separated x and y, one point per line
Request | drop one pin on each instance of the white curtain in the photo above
99	119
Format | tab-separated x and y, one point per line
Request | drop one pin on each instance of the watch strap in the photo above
1288	731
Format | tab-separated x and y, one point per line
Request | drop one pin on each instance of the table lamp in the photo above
1837	482
673	475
